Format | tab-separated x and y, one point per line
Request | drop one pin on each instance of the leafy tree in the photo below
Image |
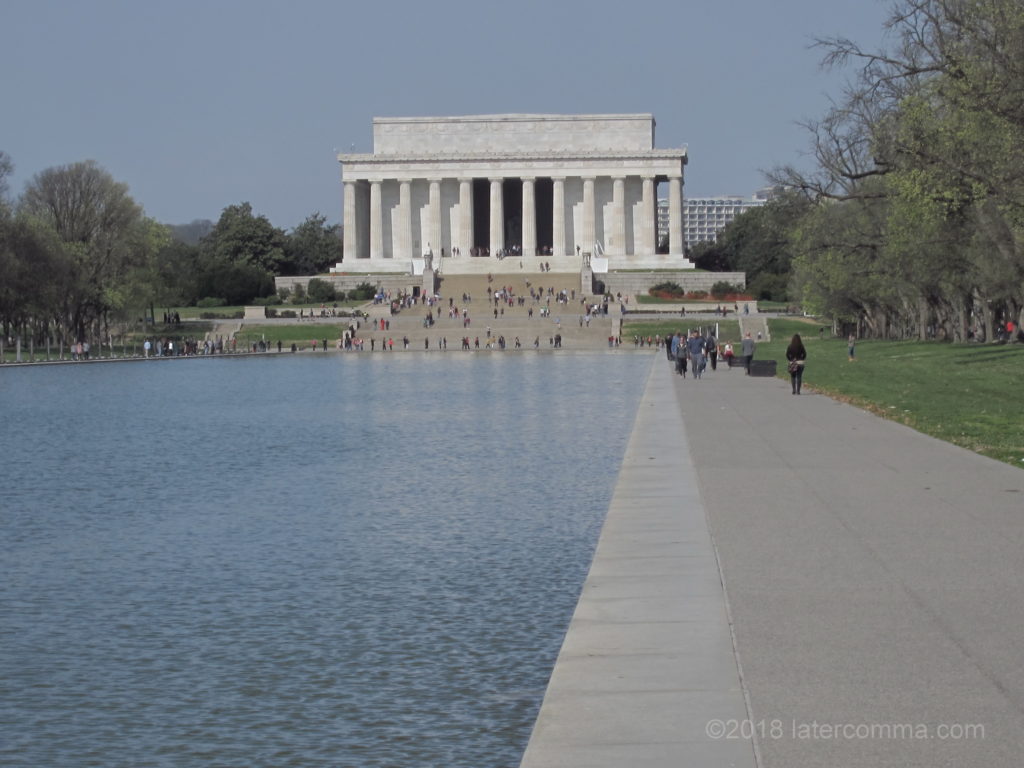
236	283
103	239
924	152
240	237
6	169
192	232
758	242
711	256
312	247
238	258
175	275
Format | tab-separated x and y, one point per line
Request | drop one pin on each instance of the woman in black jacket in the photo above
796	354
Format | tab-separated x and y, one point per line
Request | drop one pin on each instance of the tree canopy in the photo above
918	185
78	253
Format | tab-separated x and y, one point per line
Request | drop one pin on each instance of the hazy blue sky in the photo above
200	105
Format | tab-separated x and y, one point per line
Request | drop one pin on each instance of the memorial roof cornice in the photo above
646	154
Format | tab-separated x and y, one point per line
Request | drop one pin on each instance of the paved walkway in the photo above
648	658
874	579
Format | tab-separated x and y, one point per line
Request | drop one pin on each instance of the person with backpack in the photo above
711	347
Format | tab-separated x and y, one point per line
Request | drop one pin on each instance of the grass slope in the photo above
966	394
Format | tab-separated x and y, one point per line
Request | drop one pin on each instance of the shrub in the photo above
287	313
320	290
667	289
271	312
237	315
298	294
724	288
266	301
363	292
283	293
210	301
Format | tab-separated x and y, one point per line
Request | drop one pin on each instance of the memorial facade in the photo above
468	193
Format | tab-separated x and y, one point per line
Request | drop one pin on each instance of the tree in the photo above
102	235
312	247
928	145
6	169
239	257
758	242
239	237
710	256
193	232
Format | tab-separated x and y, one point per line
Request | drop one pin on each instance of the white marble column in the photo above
434	220
648	219
617	240
558	217
350	241
529	217
497	217
589	233
404	219
675	214
465	243
376	222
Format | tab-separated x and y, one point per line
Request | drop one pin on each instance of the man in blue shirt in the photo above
696	347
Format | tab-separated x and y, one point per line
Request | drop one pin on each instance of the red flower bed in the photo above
700	296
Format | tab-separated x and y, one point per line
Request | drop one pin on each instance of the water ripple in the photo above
334	561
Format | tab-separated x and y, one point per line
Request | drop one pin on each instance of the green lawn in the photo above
729	329
301	334
966	394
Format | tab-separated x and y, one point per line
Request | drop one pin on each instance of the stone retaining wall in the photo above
615	282
393	283
640	282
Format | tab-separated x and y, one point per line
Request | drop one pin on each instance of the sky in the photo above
200	105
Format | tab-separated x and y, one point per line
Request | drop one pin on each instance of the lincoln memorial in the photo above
467	194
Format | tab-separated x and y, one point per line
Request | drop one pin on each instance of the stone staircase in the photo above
755	324
479	288
510	323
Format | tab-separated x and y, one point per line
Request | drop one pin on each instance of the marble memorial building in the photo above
484	193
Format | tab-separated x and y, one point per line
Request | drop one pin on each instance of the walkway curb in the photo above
647	669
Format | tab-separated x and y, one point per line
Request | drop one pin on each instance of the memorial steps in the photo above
516	321
478	286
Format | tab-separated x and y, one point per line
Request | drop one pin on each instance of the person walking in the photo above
796	355
747	350
678	348
850	347
695	346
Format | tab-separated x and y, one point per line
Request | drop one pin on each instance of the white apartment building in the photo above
705	217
